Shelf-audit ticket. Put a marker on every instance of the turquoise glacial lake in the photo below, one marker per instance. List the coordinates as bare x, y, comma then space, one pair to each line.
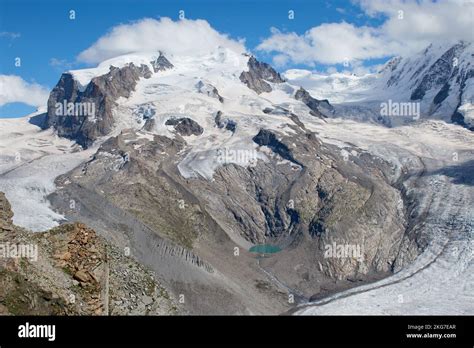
265, 249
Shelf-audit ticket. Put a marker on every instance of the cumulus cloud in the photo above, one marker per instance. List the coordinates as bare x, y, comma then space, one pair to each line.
180, 37
328, 43
408, 26
415, 24
13, 89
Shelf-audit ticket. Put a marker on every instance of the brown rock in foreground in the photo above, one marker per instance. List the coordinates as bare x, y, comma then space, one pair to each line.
70, 270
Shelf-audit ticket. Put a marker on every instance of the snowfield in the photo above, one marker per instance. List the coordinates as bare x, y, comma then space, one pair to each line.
179, 92
30, 161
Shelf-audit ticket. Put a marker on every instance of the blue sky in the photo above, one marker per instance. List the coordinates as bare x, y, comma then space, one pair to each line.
40, 31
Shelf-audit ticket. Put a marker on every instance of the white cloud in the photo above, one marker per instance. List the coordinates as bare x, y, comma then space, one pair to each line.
56, 62
408, 26
60, 64
329, 43
181, 37
13, 89
415, 24
9, 35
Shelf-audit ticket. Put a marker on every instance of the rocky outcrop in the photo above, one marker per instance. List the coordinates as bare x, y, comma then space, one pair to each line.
209, 90
318, 107
269, 138
259, 75
161, 64
6, 214
185, 126
70, 270
150, 125
224, 123
91, 109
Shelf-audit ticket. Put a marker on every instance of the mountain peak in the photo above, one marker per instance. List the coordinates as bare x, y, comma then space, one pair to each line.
161, 63
258, 76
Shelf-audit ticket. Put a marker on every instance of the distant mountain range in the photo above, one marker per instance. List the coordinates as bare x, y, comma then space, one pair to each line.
440, 78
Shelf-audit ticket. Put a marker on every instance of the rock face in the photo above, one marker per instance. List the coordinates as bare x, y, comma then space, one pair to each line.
99, 97
438, 74
185, 126
450, 76
318, 107
269, 138
259, 75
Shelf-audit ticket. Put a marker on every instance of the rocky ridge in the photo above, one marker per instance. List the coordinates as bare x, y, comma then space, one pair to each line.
259, 75
102, 92
75, 272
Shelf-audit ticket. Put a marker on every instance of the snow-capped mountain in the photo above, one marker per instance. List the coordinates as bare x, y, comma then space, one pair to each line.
182, 94
438, 82
440, 78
